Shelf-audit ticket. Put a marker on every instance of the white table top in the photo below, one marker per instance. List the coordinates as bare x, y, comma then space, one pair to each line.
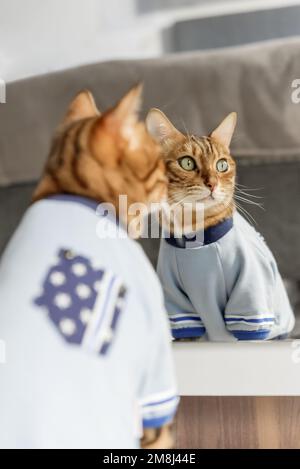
238, 369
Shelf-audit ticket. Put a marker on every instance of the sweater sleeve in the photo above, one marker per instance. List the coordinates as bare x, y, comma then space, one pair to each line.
185, 320
249, 312
158, 390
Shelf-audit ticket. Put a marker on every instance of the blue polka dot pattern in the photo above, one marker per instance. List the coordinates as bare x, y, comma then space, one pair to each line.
83, 303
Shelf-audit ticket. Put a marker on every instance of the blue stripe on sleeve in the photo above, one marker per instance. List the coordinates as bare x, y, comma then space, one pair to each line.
156, 422
164, 401
188, 332
254, 321
251, 335
185, 318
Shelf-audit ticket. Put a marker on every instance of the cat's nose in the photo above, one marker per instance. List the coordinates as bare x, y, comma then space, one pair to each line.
211, 185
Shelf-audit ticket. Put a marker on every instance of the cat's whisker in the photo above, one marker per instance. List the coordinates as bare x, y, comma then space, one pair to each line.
245, 212
251, 202
247, 215
248, 195
249, 188
175, 203
248, 201
193, 191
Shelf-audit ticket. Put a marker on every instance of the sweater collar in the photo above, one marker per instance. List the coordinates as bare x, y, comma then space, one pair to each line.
202, 238
76, 199
91, 204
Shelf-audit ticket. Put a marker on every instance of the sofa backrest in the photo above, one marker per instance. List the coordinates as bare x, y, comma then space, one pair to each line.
195, 90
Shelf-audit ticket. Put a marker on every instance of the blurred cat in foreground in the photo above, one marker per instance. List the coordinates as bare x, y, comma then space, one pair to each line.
83, 318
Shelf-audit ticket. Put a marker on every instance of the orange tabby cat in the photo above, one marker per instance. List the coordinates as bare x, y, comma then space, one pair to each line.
225, 286
192, 166
101, 157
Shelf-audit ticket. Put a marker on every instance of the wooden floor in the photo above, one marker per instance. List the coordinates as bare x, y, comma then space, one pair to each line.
238, 422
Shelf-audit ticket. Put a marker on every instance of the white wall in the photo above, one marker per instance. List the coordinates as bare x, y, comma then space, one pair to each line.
38, 36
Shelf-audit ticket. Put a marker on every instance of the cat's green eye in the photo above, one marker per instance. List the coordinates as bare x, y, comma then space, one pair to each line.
187, 163
222, 165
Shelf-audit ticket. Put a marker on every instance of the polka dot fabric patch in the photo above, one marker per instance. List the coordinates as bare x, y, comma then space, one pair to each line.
83, 303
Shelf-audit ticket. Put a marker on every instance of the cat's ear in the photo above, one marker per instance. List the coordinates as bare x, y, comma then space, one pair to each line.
82, 107
159, 126
225, 131
122, 119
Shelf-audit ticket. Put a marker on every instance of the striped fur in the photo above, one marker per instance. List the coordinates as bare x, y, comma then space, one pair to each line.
104, 156
205, 184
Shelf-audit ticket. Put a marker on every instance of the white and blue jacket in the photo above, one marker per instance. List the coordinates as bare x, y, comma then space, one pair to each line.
82, 319
226, 287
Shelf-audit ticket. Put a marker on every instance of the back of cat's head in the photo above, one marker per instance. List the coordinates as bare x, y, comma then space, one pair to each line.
102, 156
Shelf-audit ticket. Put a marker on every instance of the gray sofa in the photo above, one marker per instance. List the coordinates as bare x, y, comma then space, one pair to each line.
238, 27
196, 91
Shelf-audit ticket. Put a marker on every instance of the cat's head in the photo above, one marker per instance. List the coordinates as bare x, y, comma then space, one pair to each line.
102, 156
199, 169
